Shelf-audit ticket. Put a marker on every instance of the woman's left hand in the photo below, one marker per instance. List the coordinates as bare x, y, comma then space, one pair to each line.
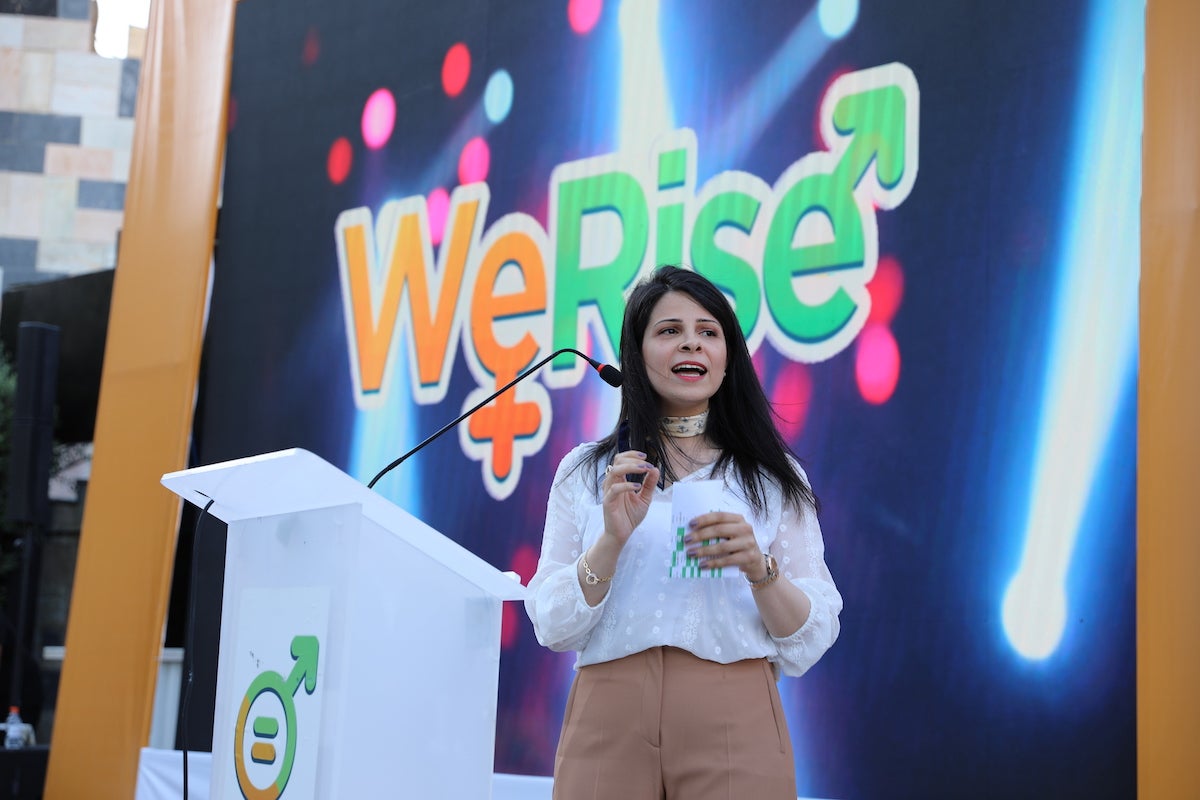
724, 539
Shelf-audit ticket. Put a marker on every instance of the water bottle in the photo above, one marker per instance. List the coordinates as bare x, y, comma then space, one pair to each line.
14, 730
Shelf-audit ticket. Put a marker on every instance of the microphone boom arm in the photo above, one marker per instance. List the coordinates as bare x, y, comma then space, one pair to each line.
601, 368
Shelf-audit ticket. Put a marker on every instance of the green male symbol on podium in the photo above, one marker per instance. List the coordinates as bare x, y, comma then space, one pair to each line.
265, 728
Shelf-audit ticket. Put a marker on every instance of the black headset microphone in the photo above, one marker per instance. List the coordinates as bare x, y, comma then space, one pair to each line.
611, 375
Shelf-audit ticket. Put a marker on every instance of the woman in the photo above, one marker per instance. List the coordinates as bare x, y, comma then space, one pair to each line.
675, 694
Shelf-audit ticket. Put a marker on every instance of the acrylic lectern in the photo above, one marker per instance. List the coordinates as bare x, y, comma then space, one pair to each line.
360, 648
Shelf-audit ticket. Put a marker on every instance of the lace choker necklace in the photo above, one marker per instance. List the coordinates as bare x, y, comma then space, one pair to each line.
685, 427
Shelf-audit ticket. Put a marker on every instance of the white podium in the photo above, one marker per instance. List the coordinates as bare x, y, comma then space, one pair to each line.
360, 648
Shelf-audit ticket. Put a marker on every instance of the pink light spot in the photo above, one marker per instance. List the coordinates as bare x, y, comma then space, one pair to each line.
508, 625
524, 563
341, 157
438, 206
378, 118
312, 48
474, 162
456, 68
760, 363
589, 416
791, 396
584, 14
877, 363
887, 289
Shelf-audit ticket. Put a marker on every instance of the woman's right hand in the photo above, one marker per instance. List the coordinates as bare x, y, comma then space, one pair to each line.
626, 502
625, 505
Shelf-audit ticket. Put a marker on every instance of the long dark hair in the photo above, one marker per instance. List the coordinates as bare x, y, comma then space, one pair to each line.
740, 419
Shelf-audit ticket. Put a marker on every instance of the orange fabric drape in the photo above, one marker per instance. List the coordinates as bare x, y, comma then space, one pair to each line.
1168, 569
147, 395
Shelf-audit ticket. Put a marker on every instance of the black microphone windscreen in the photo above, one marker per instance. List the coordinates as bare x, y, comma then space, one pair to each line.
611, 375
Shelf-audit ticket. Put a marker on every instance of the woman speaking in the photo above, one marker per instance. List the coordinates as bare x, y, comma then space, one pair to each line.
675, 689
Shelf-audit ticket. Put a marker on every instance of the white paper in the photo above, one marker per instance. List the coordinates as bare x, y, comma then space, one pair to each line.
688, 501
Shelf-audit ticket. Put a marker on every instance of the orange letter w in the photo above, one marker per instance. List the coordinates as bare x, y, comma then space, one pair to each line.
371, 296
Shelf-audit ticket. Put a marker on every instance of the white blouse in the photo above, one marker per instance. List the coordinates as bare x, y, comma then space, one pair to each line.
713, 618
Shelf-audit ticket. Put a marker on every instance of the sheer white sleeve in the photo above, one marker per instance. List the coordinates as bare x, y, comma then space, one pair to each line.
561, 617
800, 551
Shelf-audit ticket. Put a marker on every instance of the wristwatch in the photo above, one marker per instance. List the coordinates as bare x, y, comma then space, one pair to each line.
772, 573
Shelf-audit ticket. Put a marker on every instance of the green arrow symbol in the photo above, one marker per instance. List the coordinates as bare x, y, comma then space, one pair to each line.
304, 650
875, 119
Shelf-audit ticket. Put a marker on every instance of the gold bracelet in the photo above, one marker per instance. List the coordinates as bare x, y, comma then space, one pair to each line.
771, 576
589, 577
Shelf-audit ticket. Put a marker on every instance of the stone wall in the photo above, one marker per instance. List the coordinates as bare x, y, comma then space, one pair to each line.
66, 131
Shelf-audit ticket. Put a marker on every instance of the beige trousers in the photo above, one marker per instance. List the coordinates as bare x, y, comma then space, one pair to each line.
665, 725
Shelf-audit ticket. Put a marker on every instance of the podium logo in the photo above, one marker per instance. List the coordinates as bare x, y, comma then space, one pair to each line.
271, 699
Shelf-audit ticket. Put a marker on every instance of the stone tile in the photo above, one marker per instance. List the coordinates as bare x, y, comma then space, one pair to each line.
24, 217
59, 201
80, 162
93, 225
42, 129
107, 195
66, 256
85, 101
37, 80
10, 78
16, 254
112, 133
121, 163
5, 181
57, 34
12, 30
130, 71
22, 157
87, 69
85, 84
74, 9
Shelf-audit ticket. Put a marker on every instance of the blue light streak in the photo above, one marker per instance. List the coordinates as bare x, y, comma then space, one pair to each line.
645, 108
769, 89
1094, 326
382, 435
837, 17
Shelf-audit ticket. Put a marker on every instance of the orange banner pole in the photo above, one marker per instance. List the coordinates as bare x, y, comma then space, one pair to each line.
147, 396
1168, 586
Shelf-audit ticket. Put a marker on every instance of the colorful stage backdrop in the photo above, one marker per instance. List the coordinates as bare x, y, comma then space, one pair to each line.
926, 216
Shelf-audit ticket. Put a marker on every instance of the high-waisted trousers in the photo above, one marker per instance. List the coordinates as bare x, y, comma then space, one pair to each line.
665, 725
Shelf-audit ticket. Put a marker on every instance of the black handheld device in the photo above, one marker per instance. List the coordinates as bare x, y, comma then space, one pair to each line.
623, 444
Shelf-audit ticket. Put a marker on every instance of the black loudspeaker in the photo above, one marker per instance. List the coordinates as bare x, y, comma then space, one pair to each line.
33, 424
